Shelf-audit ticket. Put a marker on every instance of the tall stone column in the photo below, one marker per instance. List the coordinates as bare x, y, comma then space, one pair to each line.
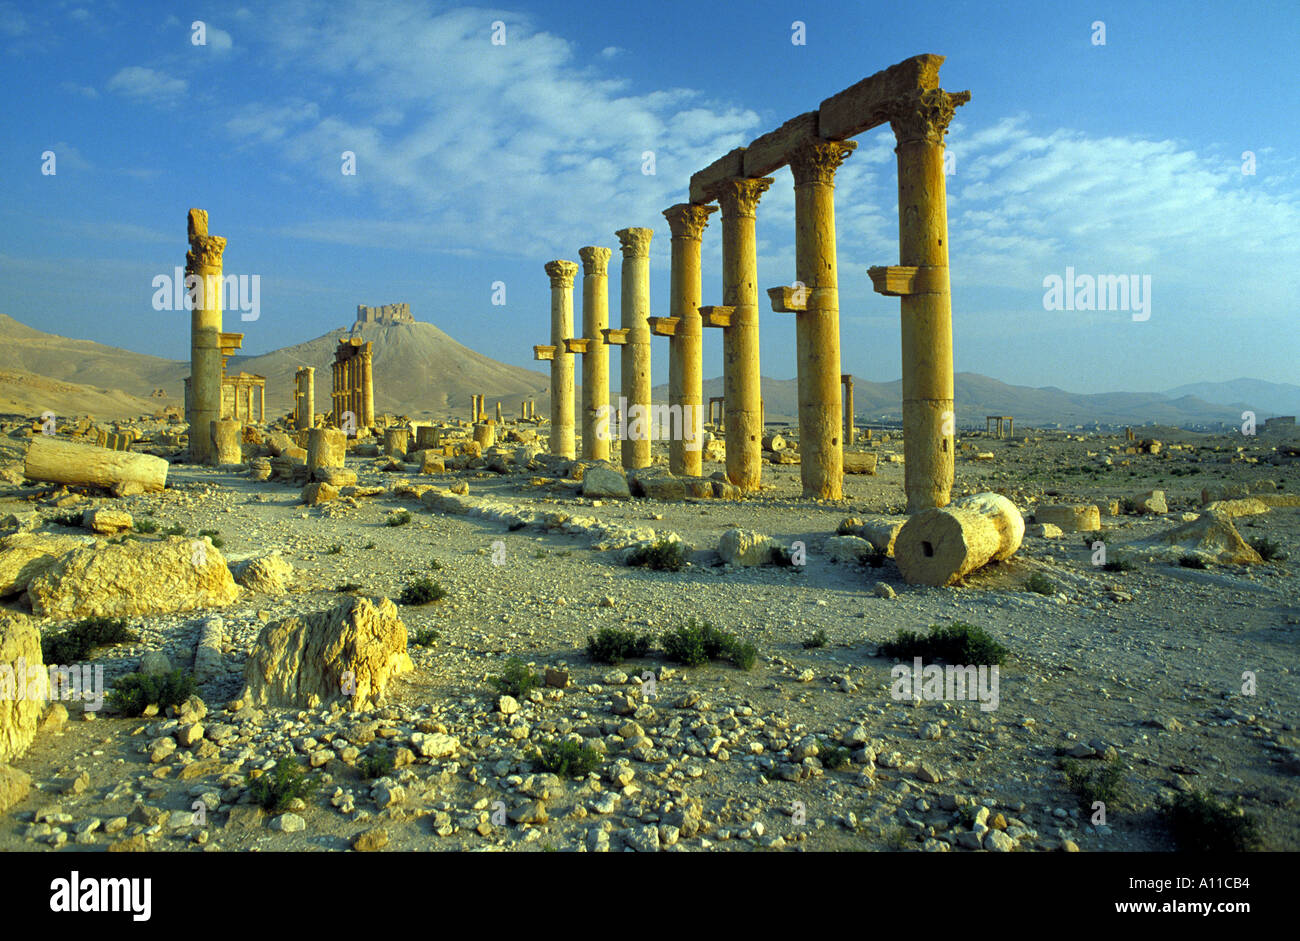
595, 358
850, 434
204, 262
366, 369
685, 380
741, 371
817, 327
561, 274
920, 120
635, 356
306, 396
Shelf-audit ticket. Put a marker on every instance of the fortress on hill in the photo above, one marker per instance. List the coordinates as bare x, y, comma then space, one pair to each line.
388, 314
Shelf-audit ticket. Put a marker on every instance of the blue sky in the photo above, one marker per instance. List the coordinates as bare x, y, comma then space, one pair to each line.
477, 163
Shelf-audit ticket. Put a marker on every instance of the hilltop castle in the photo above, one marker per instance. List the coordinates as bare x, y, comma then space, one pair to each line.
386, 315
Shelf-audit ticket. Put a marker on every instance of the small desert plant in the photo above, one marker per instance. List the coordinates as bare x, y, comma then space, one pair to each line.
664, 555
435, 565
818, 639
175, 529
146, 526
81, 639
516, 679
1200, 823
568, 759
214, 537
376, 764
1095, 781
1192, 562
1040, 584
1268, 550
614, 645
422, 591
696, 643
955, 643
347, 587
71, 520
133, 693
400, 518
1120, 564
426, 637
369, 545
335, 549
831, 755
276, 789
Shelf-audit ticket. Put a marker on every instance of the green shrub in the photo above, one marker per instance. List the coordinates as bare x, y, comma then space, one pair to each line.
77, 642
133, 693
422, 591
435, 565
818, 639
335, 549
145, 526
696, 643
377, 764
516, 679
614, 645
175, 529
214, 537
664, 555
1200, 823
1192, 562
1268, 550
831, 755
400, 518
71, 520
1093, 781
1120, 564
347, 587
426, 637
1040, 584
955, 643
275, 789
568, 759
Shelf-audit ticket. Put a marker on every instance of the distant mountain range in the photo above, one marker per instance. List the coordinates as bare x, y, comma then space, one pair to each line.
421, 372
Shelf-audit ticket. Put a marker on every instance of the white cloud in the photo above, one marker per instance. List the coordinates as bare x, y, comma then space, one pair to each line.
86, 91
138, 82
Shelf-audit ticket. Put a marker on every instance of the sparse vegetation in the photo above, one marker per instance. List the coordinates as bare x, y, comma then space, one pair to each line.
1094, 781
79, 641
1120, 564
516, 679
133, 693
347, 587
1040, 584
145, 526
376, 764
1201, 823
954, 643
400, 518
614, 645
1268, 550
71, 520
175, 529
831, 755
274, 790
818, 639
435, 565
568, 759
664, 555
696, 643
335, 549
214, 537
426, 637
422, 591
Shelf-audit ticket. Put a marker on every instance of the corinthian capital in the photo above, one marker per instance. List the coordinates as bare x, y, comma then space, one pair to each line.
205, 253
923, 115
815, 161
561, 273
595, 260
687, 221
635, 242
739, 195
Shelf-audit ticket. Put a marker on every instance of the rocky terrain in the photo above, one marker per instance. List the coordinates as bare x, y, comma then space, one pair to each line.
1141, 668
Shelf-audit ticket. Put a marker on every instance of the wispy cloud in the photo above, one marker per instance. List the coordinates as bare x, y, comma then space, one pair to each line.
136, 81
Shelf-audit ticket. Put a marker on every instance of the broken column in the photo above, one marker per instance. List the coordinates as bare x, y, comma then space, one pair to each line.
203, 262
938, 546
684, 327
742, 414
635, 340
367, 386
561, 274
850, 434
920, 120
595, 355
305, 398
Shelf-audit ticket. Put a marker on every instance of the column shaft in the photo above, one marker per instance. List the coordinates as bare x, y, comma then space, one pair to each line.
561, 274
204, 261
685, 380
635, 356
595, 361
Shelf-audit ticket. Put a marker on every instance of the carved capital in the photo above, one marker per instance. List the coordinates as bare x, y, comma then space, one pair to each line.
561, 273
595, 260
687, 221
205, 254
635, 242
923, 115
815, 161
739, 196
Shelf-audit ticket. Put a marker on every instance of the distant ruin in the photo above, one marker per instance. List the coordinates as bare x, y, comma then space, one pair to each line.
386, 316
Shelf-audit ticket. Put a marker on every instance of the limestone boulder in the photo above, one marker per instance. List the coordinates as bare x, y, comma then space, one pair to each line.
881, 533
347, 653
848, 549
1211, 537
860, 462
134, 578
15, 785
1152, 502
259, 468
20, 660
23, 556
605, 483
1244, 506
278, 442
427, 461
109, 522
1071, 518
326, 447
745, 547
269, 574
316, 492
338, 477
656, 483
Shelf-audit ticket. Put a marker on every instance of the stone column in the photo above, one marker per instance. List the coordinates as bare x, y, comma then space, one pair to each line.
817, 327
561, 274
686, 386
367, 415
742, 377
261, 404
306, 397
635, 357
595, 358
920, 120
849, 434
204, 262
